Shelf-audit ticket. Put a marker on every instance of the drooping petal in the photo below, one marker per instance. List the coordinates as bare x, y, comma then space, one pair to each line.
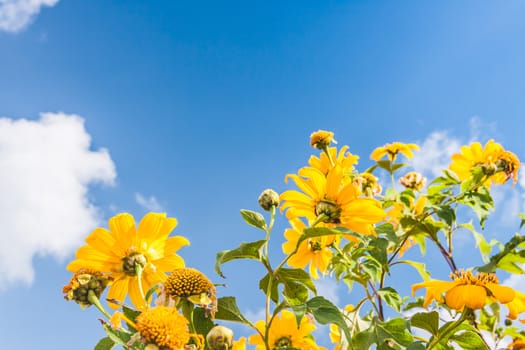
435, 290
469, 295
503, 294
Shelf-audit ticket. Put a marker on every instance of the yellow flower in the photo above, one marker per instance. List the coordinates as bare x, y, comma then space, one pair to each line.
517, 344
163, 326
392, 149
192, 284
342, 158
284, 333
335, 336
493, 160
466, 290
329, 200
121, 249
314, 251
85, 282
239, 344
516, 306
321, 139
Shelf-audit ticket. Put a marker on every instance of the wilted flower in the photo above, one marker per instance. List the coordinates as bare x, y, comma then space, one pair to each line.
413, 180
84, 285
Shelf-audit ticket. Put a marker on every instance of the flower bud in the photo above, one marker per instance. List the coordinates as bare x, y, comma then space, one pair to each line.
220, 338
268, 199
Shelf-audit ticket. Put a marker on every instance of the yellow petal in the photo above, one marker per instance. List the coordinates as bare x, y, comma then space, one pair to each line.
471, 296
122, 226
503, 294
118, 291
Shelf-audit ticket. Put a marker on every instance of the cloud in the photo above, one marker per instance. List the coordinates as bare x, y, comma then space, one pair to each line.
47, 166
16, 15
150, 203
434, 153
328, 288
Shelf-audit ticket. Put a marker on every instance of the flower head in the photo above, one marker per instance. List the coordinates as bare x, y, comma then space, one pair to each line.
516, 306
164, 327
329, 200
219, 337
321, 139
391, 150
83, 283
343, 158
466, 290
124, 249
413, 180
367, 184
239, 344
492, 160
314, 251
517, 344
268, 199
284, 333
192, 284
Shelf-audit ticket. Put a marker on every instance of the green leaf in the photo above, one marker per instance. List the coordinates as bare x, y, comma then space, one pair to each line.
297, 275
254, 219
264, 286
381, 333
480, 201
447, 214
416, 346
228, 310
117, 336
201, 321
250, 250
468, 341
377, 248
372, 268
299, 311
325, 312
391, 297
313, 232
385, 164
428, 321
105, 344
420, 267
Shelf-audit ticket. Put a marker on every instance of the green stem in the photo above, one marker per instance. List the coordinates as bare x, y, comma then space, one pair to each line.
93, 299
139, 269
325, 150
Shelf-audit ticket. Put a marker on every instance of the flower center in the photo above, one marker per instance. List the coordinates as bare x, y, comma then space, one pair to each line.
481, 279
330, 210
314, 245
130, 263
283, 343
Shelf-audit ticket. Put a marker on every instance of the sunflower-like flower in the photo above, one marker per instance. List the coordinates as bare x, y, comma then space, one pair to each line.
466, 290
321, 139
84, 285
124, 249
327, 199
497, 164
191, 284
343, 158
314, 251
391, 150
284, 333
164, 327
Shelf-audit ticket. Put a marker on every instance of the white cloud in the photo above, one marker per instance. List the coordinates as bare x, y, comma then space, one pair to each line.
328, 287
47, 166
434, 153
15, 15
151, 203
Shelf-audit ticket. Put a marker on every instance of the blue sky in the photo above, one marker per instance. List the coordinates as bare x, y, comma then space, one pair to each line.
193, 108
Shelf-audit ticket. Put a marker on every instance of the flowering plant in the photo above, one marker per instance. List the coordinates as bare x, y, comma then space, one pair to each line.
342, 224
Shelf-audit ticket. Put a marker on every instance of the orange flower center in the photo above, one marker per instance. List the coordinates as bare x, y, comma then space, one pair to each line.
481, 279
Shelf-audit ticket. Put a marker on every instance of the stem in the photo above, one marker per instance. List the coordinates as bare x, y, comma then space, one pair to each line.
325, 150
448, 257
139, 269
93, 299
